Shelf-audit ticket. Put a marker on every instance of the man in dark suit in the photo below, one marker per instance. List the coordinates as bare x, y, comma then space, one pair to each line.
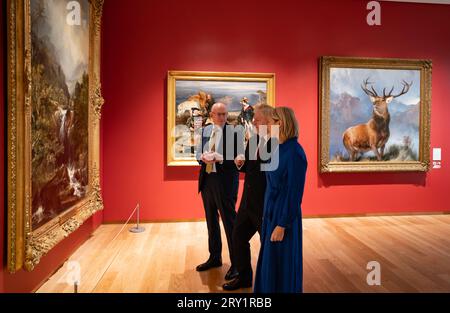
218, 184
249, 217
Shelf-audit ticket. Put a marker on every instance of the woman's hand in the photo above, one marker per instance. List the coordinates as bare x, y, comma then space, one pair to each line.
277, 234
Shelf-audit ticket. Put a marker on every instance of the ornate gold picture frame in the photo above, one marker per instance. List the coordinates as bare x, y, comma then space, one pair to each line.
190, 96
54, 108
374, 114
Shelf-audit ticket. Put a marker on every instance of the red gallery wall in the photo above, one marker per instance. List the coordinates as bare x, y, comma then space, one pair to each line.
144, 39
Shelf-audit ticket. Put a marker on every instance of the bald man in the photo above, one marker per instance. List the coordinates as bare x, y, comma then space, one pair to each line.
218, 183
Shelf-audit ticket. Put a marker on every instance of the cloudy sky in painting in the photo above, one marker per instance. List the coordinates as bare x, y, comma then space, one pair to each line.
230, 92
71, 42
349, 80
222, 86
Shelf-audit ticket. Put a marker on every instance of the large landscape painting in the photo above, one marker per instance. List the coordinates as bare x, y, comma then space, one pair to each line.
60, 97
54, 111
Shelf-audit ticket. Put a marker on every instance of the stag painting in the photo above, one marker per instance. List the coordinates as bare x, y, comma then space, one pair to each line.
374, 115
373, 135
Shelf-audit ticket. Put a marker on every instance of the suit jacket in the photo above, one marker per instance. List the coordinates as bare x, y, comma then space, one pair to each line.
226, 170
252, 200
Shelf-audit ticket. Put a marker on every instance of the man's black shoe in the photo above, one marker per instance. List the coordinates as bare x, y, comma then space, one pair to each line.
232, 273
208, 265
236, 283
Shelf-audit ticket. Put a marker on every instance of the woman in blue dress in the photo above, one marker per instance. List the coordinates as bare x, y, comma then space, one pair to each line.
280, 265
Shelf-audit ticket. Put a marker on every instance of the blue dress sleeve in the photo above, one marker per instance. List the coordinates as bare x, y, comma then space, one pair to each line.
296, 172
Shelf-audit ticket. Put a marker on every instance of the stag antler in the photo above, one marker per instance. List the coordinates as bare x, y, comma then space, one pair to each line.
405, 89
384, 92
371, 93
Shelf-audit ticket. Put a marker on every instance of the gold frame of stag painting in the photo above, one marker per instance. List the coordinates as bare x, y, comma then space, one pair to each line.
54, 105
190, 96
374, 115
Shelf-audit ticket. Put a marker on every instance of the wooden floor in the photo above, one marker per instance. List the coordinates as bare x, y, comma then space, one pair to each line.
413, 251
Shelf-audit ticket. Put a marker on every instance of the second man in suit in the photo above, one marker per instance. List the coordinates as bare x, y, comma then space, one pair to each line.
249, 217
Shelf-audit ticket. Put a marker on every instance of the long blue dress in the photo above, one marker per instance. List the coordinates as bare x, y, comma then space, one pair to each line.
280, 265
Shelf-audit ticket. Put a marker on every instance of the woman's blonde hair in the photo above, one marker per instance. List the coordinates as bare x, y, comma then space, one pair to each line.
288, 122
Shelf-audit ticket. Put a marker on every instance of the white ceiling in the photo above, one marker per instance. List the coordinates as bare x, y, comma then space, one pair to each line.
423, 1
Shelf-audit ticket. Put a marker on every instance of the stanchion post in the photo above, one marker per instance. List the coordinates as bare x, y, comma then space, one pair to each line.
137, 228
